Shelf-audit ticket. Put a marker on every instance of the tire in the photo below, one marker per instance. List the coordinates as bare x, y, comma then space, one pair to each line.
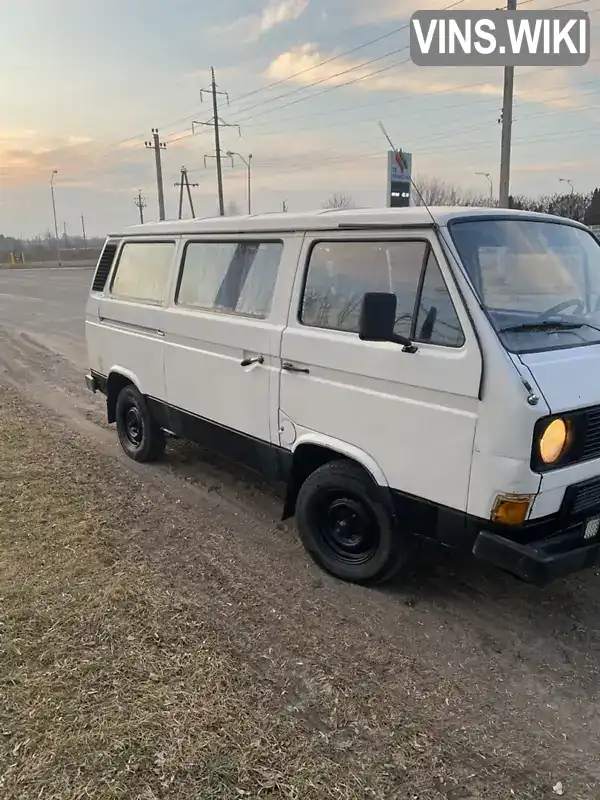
140, 437
347, 526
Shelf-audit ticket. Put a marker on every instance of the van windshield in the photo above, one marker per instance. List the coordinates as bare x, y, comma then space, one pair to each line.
539, 281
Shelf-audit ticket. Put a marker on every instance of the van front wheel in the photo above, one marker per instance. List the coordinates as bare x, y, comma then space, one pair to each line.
346, 525
139, 435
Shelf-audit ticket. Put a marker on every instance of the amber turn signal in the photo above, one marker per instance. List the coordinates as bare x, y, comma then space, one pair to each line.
511, 509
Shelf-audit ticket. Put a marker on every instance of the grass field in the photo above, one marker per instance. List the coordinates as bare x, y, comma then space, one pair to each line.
158, 648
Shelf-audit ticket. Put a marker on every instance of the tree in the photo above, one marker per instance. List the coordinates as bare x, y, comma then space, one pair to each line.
340, 201
232, 210
592, 214
435, 192
572, 205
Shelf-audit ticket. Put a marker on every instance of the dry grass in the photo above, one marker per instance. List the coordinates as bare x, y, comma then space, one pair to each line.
118, 682
110, 686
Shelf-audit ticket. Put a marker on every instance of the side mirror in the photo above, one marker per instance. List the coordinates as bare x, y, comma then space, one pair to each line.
378, 318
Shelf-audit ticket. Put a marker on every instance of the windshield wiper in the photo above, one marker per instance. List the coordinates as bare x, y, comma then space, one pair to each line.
545, 325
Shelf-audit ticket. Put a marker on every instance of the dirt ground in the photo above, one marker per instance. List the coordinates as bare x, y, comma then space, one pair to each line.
163, 636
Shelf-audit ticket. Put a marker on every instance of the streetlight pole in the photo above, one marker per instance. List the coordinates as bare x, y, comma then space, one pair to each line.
248, 163
566, 180
55, 172
488, 177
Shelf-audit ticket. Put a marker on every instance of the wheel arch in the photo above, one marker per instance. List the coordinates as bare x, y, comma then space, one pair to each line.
311, 451
118, 378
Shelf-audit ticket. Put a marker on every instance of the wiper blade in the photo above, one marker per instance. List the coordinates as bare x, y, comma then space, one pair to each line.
544, 326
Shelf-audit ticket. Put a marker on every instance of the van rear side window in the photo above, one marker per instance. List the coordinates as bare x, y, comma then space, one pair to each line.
143, 272
232, 277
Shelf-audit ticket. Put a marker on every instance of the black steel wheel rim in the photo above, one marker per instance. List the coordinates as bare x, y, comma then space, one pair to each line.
347, 525
134, 425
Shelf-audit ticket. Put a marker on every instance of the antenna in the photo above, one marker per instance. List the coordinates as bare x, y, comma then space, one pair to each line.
412, 183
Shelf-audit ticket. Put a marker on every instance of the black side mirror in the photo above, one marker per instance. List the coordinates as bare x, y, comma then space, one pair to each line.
378, 318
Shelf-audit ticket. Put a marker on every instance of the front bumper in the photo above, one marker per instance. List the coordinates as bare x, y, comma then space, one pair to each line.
539, 561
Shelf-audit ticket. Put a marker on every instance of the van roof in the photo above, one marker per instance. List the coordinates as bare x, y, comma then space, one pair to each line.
325, 219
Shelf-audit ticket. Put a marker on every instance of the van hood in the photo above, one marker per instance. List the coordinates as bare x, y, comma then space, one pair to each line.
568, 379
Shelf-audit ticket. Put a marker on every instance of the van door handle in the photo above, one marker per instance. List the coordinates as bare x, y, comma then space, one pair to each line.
160, 333
289, 367
256, 360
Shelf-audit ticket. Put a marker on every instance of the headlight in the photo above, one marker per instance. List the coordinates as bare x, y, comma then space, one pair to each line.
553, 441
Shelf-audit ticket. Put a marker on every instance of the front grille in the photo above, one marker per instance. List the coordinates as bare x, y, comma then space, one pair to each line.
591, 447
103, 268
585, 497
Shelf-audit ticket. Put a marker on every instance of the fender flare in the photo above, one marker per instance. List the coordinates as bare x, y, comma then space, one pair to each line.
125, 373
344, 449
111, 401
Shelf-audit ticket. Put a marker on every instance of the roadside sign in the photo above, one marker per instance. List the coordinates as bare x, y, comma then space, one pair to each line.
398, 179
17, 258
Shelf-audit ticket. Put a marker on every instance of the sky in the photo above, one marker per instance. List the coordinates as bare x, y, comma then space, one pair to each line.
83, 82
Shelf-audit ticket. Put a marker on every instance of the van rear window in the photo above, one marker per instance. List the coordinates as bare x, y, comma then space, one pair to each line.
143, 272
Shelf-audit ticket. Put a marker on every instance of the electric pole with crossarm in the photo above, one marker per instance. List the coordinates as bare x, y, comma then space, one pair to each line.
216, 122
158, 146
141, 204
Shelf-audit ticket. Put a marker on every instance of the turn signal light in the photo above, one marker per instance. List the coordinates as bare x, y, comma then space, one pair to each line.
511, 509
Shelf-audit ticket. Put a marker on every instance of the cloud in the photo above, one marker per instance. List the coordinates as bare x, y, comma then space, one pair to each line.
251, 27
30, 162
540, 87
277, 13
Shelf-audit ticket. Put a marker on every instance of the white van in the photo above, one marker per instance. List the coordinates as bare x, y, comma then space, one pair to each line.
401, 374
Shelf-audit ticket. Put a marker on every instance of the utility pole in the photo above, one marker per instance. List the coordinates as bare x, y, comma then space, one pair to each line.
216, 122
141, 204
183, 181
157, 146
65, 235
55, 172
83, 229
506, 120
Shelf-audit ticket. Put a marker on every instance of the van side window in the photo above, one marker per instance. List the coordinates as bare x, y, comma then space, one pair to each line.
437, 321
233, 277
143, 272
340, 273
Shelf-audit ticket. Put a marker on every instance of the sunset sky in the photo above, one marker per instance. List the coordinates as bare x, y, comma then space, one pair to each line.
83, 82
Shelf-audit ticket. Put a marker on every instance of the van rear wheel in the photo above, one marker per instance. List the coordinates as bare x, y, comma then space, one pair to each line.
139, 435
346, 525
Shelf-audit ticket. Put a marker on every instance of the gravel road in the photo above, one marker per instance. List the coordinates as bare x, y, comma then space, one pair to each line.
462, 681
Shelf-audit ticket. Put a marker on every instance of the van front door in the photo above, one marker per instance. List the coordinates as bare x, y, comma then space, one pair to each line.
410, 417
222, 348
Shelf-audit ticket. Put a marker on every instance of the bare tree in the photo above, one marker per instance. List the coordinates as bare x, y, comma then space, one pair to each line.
573, 205
232, 209
340, 201
436, 192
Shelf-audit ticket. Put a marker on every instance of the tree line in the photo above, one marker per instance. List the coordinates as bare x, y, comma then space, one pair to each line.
580, 206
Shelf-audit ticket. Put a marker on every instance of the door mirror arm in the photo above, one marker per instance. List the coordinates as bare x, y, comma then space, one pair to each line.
407, 345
